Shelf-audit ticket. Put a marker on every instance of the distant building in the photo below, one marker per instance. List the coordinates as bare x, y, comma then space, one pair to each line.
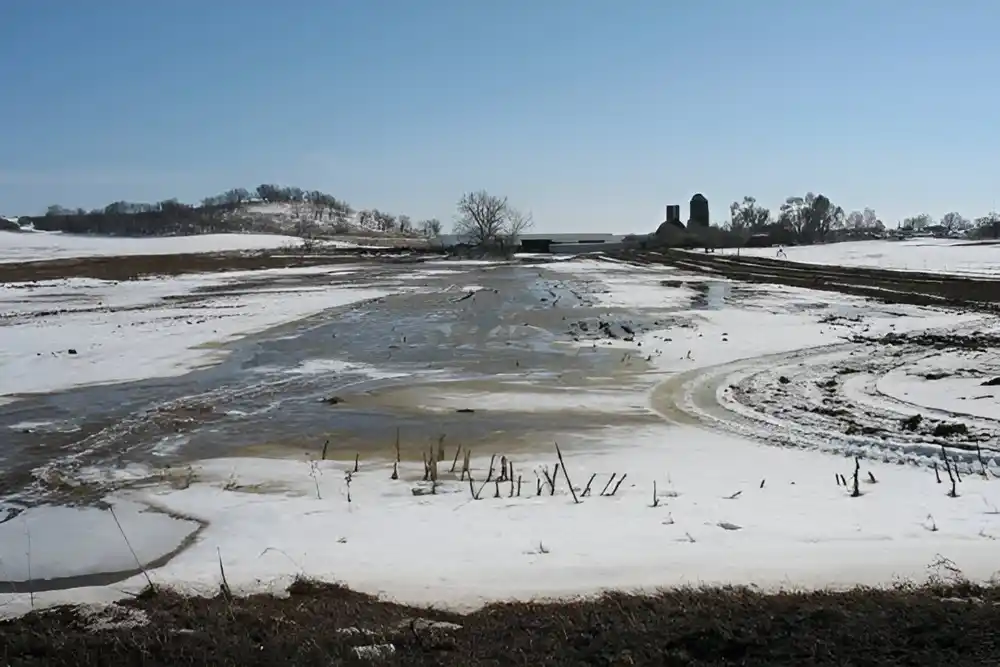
548, 243
674, 214
672, 221
698, 211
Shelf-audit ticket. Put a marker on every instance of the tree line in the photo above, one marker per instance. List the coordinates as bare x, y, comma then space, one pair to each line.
813, 218
309, 212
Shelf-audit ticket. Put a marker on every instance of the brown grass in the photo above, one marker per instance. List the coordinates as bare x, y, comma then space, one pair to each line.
321, 624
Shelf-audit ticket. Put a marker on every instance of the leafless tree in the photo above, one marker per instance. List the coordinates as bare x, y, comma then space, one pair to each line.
954, 222
918, 222
517, 222
430, 228
489, 220
811, 218
748, 216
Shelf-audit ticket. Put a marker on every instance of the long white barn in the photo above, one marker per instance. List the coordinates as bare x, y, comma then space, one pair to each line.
555, 243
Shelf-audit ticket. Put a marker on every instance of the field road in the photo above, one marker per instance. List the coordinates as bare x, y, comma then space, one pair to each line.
908, 287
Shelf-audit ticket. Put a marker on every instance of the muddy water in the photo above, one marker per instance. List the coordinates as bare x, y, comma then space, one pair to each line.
273, 393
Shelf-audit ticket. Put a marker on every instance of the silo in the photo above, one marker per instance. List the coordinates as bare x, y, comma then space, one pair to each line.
699, 211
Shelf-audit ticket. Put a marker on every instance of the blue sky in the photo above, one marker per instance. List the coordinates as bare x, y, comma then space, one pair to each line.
593, 114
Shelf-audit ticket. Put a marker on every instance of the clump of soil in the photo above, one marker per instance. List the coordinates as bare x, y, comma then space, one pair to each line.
946, 430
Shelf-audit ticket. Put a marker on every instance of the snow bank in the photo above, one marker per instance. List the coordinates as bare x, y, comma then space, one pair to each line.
32, 246
116, 332
928, 255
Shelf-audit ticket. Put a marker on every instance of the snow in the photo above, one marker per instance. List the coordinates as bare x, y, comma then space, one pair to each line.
732, 504
925, 255
128, 331
32, 545
951, 382
800, 529
36, 246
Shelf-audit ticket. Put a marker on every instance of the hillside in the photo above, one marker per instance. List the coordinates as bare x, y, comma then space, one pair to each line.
300, 219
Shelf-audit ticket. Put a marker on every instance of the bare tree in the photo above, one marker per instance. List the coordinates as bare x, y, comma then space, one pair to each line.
918, 222
811, 218
481, 218
489, 220
954, 222
384, 222
748, 216
430, 228
989, 225
870, 221
517, 222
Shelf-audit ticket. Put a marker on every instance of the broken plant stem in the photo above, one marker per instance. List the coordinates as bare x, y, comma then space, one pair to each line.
953, 492
566, 474
121, 530
606, 486
227, 592
856, 491
620, 480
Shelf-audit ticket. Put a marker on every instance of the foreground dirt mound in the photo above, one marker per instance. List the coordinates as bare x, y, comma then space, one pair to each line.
330, 625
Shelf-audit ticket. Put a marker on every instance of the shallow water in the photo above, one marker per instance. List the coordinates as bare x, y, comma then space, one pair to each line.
268, 393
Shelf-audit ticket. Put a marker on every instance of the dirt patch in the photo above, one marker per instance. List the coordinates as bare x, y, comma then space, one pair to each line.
131, 267
908, 287
937, 341
325, 624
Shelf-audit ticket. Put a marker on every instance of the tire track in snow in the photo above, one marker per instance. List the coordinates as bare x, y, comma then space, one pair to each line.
774, 399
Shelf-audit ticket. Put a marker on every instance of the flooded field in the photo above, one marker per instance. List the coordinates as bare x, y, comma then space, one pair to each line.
351, 377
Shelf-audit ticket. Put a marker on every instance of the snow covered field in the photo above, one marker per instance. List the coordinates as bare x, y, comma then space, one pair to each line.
59, 334
733, 487
35, 246
929, 255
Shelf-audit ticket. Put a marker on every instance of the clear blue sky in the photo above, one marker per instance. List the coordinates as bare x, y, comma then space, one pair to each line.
593, 114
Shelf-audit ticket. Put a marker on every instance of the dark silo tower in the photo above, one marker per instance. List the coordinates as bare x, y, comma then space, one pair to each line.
699, 211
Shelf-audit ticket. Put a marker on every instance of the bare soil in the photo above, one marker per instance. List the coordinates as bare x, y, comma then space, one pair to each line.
908, 287
325, 625
131, 267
